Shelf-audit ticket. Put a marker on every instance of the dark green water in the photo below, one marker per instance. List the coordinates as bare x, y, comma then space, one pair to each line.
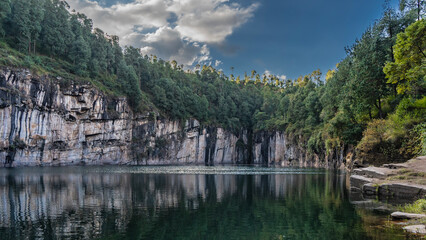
181, 203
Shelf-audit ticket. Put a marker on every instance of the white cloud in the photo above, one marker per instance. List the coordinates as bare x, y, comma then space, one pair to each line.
210, 20
281, 77
120, 19
267, 73
178, 29
168, 42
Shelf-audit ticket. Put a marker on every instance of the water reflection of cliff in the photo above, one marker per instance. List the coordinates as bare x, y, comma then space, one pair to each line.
87, 204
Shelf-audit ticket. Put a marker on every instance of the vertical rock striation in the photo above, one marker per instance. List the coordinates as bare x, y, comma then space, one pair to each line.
277, 148
45, 124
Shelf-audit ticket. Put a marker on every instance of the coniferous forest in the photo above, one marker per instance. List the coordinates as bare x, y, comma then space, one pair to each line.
374, 100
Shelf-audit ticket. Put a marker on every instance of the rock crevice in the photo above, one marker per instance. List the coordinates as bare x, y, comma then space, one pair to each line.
44, 124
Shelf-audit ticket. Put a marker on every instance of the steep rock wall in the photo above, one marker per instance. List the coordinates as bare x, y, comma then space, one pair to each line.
277, 148
44, 124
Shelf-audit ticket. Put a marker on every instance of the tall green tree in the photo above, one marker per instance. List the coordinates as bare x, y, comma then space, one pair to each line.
56, 34
116, 54
415, 6
99, 46
21, 25
368, 84
80, 55
130, 83
4, 12
36, 18
408, 71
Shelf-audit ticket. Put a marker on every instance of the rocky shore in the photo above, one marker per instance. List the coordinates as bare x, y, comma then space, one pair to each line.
397, 184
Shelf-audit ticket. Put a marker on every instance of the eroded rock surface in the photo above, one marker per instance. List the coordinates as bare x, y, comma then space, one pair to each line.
403, 215
43, 124
392, 181
420, 229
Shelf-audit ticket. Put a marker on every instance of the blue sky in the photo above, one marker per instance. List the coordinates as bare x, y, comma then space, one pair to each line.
284, 37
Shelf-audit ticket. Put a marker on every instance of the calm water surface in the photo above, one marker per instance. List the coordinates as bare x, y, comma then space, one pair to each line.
222, 202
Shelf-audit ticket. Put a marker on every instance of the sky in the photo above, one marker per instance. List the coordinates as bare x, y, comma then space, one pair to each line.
287, 38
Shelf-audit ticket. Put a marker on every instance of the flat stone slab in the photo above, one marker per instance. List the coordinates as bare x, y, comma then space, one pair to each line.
421, 229
402, 190
357, 181
370, 189
403, 215
418, 163
372, 172
383, 209
363, 202
395, 165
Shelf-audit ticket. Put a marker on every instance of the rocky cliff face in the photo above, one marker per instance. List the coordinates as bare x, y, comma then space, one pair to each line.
277, 148
44, 124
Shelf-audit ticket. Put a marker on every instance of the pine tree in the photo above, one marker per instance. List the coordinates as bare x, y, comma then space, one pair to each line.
4, 12
99, 45
130, 83
36, 17
80, 55
20, 26
56, 34
408, 72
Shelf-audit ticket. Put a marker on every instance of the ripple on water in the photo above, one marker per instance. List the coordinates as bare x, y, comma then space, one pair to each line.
209, 170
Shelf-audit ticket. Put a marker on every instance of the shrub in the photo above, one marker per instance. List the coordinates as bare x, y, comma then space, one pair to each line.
418, 206
377, 144
415, 142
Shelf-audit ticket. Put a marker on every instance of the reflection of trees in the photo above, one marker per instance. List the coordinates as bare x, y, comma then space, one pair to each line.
143, 206
380, 227
313, 207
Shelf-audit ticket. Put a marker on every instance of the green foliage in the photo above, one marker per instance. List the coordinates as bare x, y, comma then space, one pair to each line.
130, 84
316, 143
415, 141
378, 144
80, 55
401, 136
56, 35
418, 206
368, 84
408, 72
4, 12
413, 7
21, 24
410, 111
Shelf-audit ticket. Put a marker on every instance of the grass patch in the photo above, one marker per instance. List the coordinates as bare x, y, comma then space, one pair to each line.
57, 68
410, 175
404, 171
417, 174
399, 177
418, 206
62, 72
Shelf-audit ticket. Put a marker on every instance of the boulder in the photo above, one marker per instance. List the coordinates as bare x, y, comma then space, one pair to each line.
359, 181
370, 189
394, 165
402, 190
371, 172
403, 215
421, 229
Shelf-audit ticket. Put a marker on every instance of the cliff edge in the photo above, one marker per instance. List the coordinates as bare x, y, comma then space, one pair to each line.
45, 124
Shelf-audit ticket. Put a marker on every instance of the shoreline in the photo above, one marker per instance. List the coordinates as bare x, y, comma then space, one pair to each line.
402, 185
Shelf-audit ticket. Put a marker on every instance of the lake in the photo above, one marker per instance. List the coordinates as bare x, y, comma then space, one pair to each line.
182, 202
